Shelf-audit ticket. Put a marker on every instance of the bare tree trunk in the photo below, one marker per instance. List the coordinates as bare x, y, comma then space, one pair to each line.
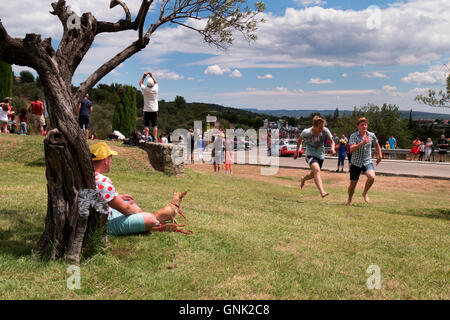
69, 171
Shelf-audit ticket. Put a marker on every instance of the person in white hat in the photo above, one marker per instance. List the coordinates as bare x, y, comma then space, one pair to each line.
150, 92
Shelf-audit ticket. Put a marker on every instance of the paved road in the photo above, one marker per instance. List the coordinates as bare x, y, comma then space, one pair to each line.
387, 167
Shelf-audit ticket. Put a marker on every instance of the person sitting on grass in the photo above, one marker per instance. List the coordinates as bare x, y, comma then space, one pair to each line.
125, 216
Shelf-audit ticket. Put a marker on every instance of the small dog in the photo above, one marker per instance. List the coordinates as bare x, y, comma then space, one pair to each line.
169, 212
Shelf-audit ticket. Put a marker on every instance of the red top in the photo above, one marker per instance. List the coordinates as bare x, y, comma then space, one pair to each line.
37, 107
23, 118
9, 110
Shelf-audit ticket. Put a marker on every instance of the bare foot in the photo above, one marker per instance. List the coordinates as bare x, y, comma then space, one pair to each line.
366, 198
302, 183
324, 194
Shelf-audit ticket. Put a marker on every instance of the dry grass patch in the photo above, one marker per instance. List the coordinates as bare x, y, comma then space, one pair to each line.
291, 178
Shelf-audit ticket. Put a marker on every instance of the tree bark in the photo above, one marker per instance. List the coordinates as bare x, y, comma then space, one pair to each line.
69, 172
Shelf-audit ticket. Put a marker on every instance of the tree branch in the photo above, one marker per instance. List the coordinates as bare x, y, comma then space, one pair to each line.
108, 67
123, 25
30, 51
123, 5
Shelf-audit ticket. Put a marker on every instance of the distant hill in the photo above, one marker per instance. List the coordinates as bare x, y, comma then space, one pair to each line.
304, 113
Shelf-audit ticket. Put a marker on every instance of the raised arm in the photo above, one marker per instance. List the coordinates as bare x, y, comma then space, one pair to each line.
142, 79
154, 80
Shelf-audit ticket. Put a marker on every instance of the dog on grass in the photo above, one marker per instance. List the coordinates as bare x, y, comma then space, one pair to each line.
168, 213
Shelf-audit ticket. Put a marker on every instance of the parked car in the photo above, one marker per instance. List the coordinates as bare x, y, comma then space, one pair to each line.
286, 147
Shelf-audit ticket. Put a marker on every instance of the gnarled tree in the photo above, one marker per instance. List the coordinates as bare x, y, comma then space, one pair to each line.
69, 171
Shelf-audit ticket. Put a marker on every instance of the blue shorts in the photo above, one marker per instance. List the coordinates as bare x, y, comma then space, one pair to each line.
119, 224
355, 171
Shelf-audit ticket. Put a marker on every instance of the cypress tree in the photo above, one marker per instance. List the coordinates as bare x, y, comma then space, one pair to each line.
6, 80
124, 119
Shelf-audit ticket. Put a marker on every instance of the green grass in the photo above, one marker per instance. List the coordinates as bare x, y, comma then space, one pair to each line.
252, 239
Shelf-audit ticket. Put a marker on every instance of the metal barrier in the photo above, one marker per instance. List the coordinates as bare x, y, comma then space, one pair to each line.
397, 154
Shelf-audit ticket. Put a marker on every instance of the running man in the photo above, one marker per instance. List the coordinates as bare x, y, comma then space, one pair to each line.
315, 151
361, 147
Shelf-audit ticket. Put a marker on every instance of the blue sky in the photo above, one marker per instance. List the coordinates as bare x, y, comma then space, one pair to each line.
310, 54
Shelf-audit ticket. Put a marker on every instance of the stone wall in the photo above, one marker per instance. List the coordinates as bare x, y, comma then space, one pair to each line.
160, 157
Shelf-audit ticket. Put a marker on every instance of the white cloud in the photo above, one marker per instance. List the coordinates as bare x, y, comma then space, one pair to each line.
216, 70
25, 16
417, 91
236, 74
168, 75
344, 75
267, 76
18, 69
319, 81
411, 32
191, 78
375, 74
434, 75
307, 3
389, 88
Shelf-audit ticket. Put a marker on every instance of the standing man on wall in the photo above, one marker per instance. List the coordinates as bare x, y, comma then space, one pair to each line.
150, 93
85, 109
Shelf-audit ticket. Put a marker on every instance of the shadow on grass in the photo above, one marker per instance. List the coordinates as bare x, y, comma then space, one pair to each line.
21, 237
288, 178
36, 163
432, 213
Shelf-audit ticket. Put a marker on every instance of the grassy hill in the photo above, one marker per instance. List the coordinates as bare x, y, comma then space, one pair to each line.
255, 237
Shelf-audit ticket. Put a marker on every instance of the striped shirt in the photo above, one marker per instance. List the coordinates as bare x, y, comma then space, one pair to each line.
362, 156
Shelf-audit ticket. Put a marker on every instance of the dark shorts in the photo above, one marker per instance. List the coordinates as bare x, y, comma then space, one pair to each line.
310, 160
356, 171
442, 151
151, 117
84, 122
349, 156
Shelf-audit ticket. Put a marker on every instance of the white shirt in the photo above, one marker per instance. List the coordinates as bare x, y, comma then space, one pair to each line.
3, 115
150, 98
